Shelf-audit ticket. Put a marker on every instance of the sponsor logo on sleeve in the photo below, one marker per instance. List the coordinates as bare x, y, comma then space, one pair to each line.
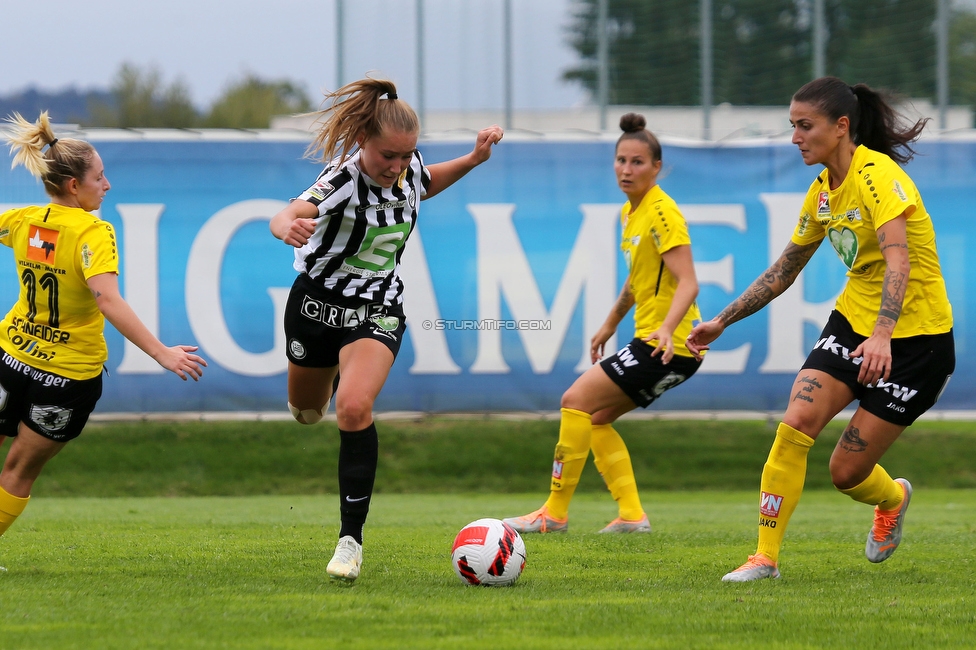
804, 223
321, 189
897, 189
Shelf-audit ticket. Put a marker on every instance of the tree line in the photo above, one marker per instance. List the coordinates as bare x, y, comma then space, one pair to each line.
763, 49
140, 98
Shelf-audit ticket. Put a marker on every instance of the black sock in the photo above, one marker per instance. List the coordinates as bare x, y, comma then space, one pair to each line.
357, 470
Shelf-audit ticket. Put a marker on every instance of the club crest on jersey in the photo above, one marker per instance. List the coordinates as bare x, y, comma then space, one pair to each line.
386, 323
844, 242
297, 349
769, 504
823, 205
41, 244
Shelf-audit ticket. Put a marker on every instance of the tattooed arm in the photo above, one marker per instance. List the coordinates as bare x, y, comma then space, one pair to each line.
620, 308
774, 281
876, 349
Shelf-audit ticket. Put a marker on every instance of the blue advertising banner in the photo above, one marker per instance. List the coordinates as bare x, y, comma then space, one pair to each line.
508, 273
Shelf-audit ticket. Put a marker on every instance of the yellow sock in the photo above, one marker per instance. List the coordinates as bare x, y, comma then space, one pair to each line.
571, 452
781, 486
877, 489
613, 460
10, 509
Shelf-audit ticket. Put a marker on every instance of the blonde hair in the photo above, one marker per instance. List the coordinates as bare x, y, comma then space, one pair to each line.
359, 112
64, 159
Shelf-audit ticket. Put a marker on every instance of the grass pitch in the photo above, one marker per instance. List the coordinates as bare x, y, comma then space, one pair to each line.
249, 572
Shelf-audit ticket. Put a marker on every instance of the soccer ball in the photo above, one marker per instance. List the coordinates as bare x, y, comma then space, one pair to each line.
488, 552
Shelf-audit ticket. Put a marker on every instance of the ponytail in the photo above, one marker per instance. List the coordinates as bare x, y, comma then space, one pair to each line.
880, 128
357, 113
64, 159
874, 123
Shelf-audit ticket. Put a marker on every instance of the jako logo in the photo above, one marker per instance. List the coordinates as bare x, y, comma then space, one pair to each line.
769, 504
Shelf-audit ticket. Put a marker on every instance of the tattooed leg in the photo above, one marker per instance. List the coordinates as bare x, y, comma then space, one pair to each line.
807, 385
852, 441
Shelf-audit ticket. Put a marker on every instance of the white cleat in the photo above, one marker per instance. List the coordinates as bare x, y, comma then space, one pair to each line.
620, 525
346, 561
756, 568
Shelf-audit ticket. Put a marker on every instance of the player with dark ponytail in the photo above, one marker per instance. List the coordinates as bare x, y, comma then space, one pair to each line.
663, 285
888, 343
345, 311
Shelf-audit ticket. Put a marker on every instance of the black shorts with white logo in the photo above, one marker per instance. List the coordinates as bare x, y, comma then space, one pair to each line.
644, 378
319, 323
51, 405
921, 367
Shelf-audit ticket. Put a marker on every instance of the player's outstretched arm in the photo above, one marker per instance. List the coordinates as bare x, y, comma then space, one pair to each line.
774, 281
178, 359
445, 174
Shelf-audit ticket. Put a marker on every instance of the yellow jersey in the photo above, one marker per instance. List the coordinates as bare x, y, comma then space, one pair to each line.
653, 228
875, 191
55, 324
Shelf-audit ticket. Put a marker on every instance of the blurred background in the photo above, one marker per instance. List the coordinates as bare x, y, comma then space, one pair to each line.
195, 107
708, 67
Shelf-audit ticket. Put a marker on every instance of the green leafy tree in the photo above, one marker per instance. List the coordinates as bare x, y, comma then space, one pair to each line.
251, 103
142, 100
962, 59
653, 50
763, 49
885, 44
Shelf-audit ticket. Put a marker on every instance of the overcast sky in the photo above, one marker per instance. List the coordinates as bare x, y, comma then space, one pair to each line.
209, 43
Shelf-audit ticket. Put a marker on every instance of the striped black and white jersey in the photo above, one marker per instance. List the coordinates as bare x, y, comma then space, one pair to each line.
361, 230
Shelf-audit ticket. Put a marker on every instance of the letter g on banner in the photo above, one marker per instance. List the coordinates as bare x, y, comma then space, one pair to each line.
203, 306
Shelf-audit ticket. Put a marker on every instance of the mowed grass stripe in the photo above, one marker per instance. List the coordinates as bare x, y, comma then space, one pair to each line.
249, 573
444, 456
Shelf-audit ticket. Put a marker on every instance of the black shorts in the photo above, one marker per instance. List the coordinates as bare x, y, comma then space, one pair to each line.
318, 323
644, 378
921, 367
51, 405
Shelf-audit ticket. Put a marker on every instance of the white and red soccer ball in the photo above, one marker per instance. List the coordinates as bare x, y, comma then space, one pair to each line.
488, 552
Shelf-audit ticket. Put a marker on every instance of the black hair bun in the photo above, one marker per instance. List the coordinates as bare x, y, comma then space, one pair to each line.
632, 122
